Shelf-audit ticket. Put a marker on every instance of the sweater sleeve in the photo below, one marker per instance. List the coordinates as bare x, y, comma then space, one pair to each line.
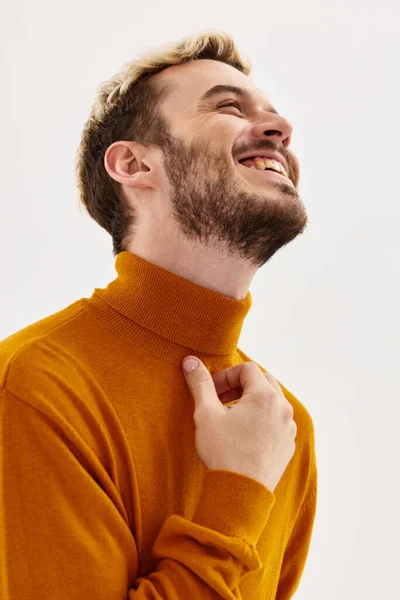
296, 552
65, 535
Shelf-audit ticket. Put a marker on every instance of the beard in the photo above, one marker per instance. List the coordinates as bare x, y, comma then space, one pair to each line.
216, 205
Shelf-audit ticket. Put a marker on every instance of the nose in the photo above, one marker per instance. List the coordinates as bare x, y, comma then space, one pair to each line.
276, 127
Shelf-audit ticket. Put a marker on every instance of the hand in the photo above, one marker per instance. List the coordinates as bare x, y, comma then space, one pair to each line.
256, 436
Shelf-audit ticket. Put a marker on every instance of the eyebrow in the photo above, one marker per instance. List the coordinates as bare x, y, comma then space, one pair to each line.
217, 90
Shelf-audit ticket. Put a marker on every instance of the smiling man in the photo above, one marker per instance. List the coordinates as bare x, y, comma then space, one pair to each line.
201, 213
185, 163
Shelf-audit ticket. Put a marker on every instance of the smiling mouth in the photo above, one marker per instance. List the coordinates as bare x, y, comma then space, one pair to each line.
267, 173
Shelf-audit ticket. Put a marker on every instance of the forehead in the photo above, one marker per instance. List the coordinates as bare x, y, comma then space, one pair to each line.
191, 81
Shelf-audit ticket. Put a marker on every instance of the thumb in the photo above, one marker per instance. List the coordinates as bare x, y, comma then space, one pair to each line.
200, 383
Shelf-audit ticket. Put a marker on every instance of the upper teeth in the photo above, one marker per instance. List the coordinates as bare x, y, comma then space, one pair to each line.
263, 163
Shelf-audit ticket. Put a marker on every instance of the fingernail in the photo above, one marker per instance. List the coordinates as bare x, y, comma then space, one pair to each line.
190, 365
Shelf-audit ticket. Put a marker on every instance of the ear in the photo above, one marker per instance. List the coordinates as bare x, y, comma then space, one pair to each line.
125, 162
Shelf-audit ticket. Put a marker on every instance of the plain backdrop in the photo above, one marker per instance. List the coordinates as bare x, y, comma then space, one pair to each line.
325, 314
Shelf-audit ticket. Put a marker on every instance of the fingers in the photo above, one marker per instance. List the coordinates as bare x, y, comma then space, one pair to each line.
229, 379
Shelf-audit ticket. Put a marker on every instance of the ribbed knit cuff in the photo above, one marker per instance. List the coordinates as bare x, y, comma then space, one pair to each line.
234, 505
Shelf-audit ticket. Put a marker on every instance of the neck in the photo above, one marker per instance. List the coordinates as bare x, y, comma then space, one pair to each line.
204, 266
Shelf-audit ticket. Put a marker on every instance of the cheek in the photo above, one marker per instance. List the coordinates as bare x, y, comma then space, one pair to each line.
296, 166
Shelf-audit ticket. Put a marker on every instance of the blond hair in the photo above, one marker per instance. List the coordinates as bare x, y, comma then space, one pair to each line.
127, 107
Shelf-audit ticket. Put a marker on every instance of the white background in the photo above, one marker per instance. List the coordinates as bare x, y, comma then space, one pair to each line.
325, 315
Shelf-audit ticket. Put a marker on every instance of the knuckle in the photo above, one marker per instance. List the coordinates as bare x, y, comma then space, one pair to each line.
289, 408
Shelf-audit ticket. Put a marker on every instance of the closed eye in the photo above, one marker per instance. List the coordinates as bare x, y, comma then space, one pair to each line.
230, 104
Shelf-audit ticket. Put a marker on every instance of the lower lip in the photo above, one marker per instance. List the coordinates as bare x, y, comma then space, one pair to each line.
268, 174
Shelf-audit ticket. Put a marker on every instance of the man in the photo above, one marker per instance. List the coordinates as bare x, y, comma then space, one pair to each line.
103, 493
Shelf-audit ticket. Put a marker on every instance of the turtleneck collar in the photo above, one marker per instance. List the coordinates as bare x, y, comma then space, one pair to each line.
168, 315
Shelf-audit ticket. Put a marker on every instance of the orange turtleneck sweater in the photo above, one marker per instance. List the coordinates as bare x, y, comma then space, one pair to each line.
102, 493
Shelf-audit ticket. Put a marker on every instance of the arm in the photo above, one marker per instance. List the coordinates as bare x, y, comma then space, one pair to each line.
64, 530
298, 546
